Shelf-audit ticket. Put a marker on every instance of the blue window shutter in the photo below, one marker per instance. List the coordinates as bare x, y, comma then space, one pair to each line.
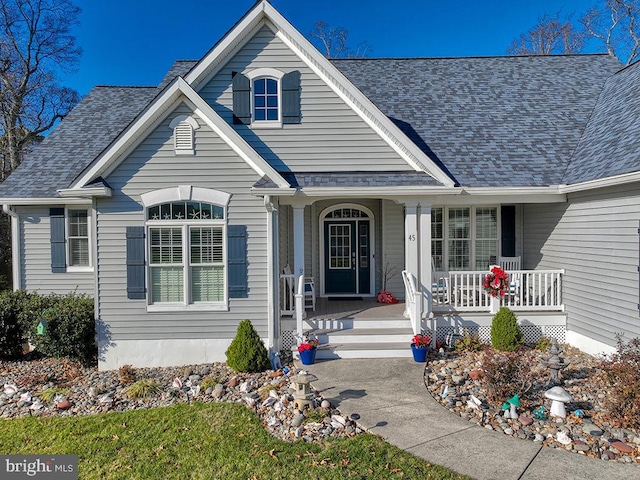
237, 261
291, 97
58, 245
241, 87
135, 263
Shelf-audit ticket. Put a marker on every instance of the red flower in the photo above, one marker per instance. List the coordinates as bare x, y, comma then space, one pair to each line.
308, 344
421, 340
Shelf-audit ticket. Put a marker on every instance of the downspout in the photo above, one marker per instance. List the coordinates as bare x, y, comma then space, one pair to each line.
15, 246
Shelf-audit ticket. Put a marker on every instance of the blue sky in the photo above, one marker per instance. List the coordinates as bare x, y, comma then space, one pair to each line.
134, 42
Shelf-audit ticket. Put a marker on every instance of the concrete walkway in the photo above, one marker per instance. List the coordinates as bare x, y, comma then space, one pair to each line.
393, 402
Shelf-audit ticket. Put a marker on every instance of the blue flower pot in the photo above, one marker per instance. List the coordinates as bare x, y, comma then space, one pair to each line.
419, 353
308, 357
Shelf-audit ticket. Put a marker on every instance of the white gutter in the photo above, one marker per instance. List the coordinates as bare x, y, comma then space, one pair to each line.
45, 201
512, 190
86, 192
355, 191
15, 246
601, 183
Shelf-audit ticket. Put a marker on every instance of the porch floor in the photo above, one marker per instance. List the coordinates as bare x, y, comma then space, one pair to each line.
367, 308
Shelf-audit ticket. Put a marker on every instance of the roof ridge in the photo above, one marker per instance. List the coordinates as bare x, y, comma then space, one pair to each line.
479, 57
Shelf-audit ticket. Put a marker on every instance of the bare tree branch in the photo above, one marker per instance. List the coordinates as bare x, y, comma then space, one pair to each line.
333, 42
35, 43
552, 34
616, 25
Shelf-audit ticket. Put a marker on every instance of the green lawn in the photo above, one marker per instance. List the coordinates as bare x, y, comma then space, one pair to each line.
208, 441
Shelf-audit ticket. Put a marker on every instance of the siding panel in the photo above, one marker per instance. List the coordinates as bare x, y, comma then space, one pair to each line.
594, 237
35, 258
331, 136
153, 165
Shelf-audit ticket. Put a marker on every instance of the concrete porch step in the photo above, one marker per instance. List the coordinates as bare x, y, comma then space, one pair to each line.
364, 335
364, 350
353, 323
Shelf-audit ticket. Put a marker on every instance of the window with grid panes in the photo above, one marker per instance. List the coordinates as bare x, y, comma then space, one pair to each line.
459, 238
186, 253
78, 238
486, 236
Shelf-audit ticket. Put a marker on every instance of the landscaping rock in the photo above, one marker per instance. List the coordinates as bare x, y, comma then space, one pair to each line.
586, 421
268, 394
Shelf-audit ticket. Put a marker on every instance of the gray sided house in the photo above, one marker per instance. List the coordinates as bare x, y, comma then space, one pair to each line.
266, 182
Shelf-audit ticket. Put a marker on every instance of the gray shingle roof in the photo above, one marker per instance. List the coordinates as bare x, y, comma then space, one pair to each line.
354, 179
492, 121
611, 142
79, 138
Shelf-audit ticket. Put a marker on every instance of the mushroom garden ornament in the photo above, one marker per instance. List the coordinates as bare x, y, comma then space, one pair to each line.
510, 405
558, 396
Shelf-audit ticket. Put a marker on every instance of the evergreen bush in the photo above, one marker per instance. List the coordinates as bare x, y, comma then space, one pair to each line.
247, 353
70, 330
12, 335
505, 332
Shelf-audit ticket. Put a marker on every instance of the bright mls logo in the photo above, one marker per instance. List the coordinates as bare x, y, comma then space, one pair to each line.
50, 467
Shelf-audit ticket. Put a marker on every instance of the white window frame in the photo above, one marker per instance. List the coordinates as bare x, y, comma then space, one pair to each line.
266, 73
193, 194
184, 122
472, 233
67, 233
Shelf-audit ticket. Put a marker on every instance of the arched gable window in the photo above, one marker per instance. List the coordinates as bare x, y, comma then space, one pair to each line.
186, 257
183, 128
266, 97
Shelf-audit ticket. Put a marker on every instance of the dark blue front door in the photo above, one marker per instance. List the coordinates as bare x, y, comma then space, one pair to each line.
347, 257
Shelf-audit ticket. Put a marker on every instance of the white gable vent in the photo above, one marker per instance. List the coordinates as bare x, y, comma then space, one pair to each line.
183, 134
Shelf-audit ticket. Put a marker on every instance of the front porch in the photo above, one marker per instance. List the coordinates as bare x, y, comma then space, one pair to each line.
334, 257
364, 328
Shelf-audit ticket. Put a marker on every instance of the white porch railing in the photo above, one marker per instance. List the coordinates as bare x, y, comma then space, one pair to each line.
411, 304
529, 290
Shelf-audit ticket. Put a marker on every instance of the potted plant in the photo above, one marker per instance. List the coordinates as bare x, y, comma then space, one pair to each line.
307, 350
420, 347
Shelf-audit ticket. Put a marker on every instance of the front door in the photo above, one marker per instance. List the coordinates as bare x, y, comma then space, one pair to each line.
347, 257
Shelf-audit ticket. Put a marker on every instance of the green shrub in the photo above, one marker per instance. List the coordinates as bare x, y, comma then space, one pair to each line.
505, 332
247, 353
543, 344
70, 330
469, 342
50, 394
142, 389
208, 382
621, 372
12, 334
505, 374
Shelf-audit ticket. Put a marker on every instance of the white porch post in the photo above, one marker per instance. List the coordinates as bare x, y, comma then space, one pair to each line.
273, 313
298, 259
412, 257
425, 259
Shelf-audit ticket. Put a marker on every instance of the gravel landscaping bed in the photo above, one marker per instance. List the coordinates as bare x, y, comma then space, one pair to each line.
77, 390
454, 380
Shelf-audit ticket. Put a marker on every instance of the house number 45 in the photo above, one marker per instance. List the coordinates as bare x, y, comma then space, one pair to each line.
412, 237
